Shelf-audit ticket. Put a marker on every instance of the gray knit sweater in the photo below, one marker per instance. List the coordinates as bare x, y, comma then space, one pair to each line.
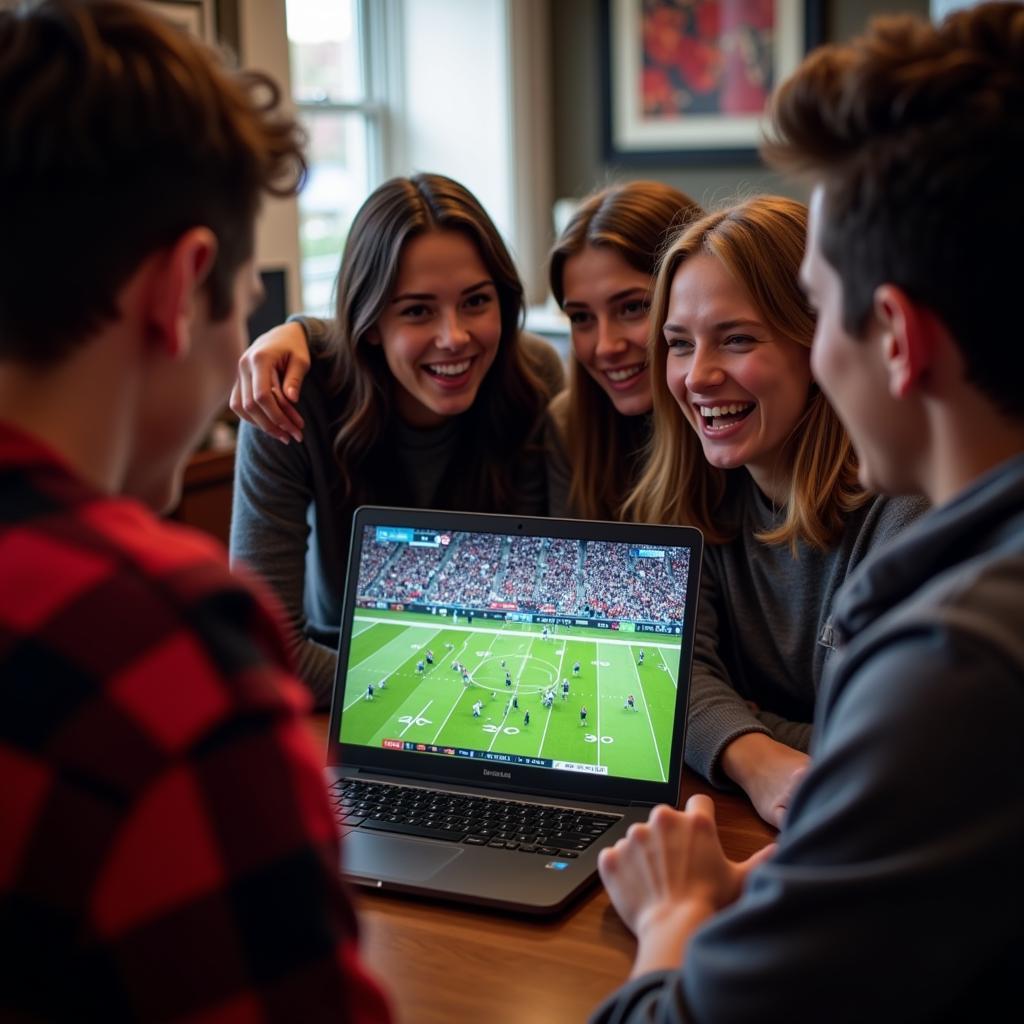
764, 625
291, 526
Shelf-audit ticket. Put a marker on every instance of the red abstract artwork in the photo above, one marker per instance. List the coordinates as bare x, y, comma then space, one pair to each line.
706, 57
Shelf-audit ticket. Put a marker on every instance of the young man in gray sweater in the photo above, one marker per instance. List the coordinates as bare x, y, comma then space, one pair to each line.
895, 891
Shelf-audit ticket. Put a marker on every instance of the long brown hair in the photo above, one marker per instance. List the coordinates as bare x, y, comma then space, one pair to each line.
761, 243
511, 398
637, 220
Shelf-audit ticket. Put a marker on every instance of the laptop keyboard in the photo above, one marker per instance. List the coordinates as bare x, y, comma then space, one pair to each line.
474, 820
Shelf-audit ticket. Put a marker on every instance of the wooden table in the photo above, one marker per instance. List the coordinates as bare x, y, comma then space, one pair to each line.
445, 963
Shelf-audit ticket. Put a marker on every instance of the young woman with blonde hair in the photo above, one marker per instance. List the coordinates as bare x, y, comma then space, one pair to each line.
746, 447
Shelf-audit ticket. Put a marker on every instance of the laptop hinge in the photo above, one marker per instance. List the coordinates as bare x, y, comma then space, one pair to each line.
426, 780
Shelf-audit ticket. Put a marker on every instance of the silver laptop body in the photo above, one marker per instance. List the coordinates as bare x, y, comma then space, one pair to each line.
511, 695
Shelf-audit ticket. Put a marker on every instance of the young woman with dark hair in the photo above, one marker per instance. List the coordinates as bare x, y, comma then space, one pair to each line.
420, 392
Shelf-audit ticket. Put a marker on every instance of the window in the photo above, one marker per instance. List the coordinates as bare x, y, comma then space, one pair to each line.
333, 85
389, 87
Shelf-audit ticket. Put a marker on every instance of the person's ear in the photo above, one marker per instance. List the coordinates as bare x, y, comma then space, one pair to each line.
372, 336
175, 296
907, 339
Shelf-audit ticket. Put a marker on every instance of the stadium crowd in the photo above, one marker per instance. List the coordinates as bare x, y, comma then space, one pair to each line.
372, 560
596, 579
520, 577
560, 583
410, 574
620, 586
468, 576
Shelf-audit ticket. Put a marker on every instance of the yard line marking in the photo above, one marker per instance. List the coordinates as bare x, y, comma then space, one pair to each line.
515, 692
352, 703
597, 701
449, 715
395, 639
647, 712
462, 691
416, 717
354, 670
675, 682
547, 721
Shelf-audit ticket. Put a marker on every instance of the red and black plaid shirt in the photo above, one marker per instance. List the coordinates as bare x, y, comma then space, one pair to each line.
167, 849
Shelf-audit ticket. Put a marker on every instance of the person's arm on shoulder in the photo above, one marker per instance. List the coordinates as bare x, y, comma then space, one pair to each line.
270, 376
270, 534
896, 881
223, 887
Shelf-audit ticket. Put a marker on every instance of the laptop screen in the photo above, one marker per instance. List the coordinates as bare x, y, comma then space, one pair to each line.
543, 652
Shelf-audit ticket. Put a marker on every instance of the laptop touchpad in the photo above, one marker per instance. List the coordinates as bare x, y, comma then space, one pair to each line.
394, 857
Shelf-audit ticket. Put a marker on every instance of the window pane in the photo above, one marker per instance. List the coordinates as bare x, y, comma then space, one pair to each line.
324, 44
338, 184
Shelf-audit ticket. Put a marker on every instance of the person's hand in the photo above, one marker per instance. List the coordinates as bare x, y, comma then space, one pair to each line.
768, 771
668, 875
270, 374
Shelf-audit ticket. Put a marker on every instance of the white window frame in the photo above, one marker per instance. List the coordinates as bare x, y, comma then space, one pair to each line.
529, 159
376, 24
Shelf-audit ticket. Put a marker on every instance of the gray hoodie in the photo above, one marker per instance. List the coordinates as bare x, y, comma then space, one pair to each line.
897, 891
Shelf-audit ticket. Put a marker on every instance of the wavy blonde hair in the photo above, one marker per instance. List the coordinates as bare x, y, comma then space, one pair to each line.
637, 220
761, 243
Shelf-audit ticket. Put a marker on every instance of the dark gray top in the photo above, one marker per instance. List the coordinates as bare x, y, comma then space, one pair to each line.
896, 893
763, 625
556, 458
559, 468
290, 524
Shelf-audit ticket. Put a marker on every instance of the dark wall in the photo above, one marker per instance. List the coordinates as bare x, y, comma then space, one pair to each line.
579, 163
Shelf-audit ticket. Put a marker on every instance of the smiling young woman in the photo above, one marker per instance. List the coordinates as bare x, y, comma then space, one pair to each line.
420, 392
746, 447
601, 273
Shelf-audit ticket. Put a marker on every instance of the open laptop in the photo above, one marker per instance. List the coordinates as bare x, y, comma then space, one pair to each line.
511, 695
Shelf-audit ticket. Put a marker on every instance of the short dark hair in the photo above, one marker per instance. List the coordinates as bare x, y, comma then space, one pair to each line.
118, 133
916, 132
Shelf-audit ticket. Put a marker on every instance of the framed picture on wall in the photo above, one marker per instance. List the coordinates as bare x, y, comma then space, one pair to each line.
195, 16
687, 81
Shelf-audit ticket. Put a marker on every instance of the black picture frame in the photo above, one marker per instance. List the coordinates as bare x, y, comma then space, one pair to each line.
194, 16
805, 21
215, 21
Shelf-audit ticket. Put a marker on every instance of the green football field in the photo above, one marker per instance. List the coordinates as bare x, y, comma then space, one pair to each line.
436, 707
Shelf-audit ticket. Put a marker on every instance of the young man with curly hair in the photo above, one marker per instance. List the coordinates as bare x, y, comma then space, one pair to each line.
167, 848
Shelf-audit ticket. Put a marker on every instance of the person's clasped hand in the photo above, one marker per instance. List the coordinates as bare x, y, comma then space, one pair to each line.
668, 875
